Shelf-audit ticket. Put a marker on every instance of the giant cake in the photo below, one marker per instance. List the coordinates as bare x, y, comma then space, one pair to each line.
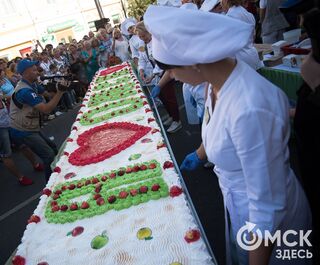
114, 197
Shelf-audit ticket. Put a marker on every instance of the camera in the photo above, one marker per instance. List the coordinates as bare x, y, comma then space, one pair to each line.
63, 83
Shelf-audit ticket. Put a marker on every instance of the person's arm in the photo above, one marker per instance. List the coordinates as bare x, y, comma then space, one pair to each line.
201, 152
46, 108
165, 79
29, 97
260, 138
142, 64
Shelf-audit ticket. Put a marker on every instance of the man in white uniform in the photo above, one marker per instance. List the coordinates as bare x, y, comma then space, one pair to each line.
245, 129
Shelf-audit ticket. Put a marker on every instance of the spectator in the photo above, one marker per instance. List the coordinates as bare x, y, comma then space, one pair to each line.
12, 74
90, 57
95, 44
120, 46
91, 34
105, 39
103, 57
86, 37
59, 62
77, 64
5, 146
45, 63
6, 87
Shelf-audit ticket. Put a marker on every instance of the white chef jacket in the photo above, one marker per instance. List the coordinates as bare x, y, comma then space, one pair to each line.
145, 64
249, 53
135, 43
246, 137
121, 50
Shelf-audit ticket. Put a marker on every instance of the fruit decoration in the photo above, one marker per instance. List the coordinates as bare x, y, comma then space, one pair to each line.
144, 233
100, 241
192, 236
175, 191
34, 219
134, 157
76, 231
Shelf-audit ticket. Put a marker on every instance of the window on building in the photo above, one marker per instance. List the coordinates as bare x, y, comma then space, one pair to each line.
7, 7
116, 19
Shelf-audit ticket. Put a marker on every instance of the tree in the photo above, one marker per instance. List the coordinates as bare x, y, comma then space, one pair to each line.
136, 8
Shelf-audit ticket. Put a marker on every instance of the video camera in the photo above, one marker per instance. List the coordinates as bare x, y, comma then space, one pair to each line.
62, 82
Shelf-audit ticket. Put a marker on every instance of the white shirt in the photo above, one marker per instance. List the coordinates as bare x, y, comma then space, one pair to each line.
135, 43
246, 137
249, 53
46, 67
121, 50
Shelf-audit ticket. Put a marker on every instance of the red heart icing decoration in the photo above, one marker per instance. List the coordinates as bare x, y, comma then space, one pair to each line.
104, 141
112, 70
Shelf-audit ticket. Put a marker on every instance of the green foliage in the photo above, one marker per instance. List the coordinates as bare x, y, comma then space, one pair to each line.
136, 8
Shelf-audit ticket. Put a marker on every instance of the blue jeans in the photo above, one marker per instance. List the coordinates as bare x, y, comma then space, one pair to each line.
40, 147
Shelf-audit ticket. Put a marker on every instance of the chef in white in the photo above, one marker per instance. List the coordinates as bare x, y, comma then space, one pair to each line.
249, 53
128, 29
245, 129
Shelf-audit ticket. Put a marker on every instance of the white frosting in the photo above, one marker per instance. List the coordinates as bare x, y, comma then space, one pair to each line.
168, 218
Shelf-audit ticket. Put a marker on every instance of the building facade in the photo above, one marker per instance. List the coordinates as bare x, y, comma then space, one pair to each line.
22, 22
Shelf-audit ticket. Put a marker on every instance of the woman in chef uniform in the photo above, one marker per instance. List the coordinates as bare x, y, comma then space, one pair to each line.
128, 28
249, 53
245, 129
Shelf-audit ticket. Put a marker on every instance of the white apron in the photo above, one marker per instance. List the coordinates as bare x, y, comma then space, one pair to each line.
194, 101
246, 138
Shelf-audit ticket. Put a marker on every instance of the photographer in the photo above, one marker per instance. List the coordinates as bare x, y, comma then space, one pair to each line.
26, 105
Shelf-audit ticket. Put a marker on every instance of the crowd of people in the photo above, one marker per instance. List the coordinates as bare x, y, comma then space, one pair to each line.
245, 119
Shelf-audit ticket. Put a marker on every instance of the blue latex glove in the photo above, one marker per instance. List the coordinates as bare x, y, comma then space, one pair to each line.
191, 162
155, 91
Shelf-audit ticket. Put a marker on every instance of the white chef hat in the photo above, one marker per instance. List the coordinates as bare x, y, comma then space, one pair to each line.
186, 37
174, 3
127, 24
207, 5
